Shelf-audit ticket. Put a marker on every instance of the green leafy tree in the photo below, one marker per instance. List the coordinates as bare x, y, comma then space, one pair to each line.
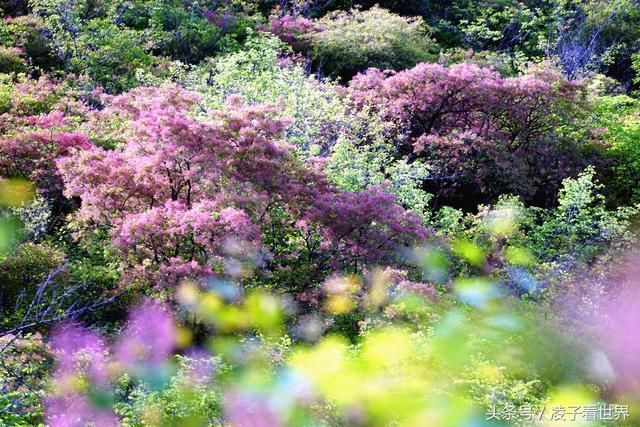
358, 148
619, 120
112, 41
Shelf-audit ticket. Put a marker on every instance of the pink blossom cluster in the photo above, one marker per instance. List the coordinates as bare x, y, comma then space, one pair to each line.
400, 284
178, 188
517, 134
31, 152
367, 226
85, 365
39, 125
291, 29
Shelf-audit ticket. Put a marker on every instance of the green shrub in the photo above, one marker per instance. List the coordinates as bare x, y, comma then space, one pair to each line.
112, 43
20, 274
26, 33
11, 61
181, 401
26, 362
572, 236
349, 42
189, 32
619, 121
582, 227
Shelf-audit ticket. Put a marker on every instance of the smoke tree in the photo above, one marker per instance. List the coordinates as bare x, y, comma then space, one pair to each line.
482, 133
186, 198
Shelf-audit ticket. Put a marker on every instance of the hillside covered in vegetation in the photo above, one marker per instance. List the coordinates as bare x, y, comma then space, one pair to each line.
319, 213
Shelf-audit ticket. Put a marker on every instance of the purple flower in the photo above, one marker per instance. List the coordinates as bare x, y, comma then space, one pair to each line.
244, 409
149, 338
80, 355
620, 340
79, 351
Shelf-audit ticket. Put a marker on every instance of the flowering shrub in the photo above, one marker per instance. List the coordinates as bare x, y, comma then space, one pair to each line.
39, 121
292, 30
520, 134
178, 191
322, 127
32, 155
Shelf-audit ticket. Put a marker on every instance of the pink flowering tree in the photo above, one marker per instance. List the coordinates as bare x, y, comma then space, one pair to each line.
483, 134
39, 123
292, 30
187, 198
31, 152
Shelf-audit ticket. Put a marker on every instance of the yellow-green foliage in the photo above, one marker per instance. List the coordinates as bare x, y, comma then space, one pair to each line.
352, 41
11, 61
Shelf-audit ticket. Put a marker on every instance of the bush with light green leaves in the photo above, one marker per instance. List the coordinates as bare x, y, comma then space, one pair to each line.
349, 42
619, 120
582, 228
357, 147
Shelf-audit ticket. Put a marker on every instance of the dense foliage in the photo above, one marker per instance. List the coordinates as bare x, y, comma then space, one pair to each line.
343, 43
319, 212
521, 135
